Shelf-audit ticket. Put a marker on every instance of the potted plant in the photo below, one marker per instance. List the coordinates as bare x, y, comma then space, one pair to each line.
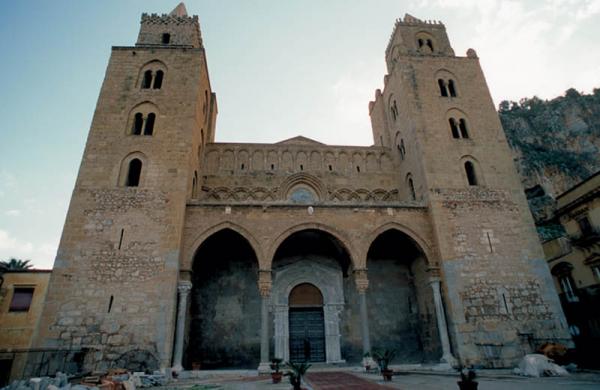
297, 372
383, 359
467, 379
276, 375
367, 361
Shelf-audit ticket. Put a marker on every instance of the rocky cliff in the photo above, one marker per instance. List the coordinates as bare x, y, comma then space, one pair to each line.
556, 144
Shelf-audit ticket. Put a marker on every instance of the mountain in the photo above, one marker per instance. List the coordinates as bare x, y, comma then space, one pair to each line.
556, 144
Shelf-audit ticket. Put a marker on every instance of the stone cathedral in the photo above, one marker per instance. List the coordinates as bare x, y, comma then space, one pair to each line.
179, 251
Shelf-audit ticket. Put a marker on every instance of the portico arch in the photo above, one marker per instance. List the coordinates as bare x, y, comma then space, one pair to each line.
224, 318
315, 257
340, 238
204, 235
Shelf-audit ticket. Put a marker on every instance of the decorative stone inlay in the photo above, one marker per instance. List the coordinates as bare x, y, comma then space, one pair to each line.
329, 281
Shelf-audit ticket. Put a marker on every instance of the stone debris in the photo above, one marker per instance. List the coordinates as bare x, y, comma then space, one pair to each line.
114, 379
536, 365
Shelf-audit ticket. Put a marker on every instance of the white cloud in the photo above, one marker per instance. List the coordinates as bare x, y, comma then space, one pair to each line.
13, 213
41, 256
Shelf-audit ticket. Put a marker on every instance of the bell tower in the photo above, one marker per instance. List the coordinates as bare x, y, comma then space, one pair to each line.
437, 115
114, 285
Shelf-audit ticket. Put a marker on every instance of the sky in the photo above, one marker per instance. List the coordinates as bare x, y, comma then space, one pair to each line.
279, 69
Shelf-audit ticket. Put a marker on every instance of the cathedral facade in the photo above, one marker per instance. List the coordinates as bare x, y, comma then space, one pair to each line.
179, 251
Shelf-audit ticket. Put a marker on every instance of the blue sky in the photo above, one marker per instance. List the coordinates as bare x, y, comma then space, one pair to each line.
279, 68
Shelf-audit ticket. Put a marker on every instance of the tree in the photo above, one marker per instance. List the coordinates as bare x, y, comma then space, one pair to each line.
16, 264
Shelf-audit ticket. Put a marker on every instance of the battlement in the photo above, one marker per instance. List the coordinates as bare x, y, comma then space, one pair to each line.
167, 19
173, 29
410, 21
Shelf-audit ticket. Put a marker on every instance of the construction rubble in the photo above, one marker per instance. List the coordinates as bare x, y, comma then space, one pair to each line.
113, 379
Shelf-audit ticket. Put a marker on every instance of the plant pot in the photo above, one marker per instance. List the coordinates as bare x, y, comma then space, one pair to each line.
467, 385
276, 376
387, 375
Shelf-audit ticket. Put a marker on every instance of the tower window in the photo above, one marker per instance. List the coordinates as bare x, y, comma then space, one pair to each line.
411, 187
402, 149
454, 128
357, 169
138, 122
420, 42
462, 124
394, 111
158, 79
443, 89
430, 44
147, 81
166, 38
451, 88
134, 173
149, 128
470, 171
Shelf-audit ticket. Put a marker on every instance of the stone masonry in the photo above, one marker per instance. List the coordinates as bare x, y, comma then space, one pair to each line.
422, 242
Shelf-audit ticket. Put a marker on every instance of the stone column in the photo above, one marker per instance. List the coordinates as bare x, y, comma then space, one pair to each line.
264, 287
183, 288
447, 357
362, 283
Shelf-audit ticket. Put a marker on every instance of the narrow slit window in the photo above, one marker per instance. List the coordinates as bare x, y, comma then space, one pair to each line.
330, 167
158, 79
411, 187
470, 171
301, 167
420, 42
443, 89
272, 167
462, 124
147, 81
166, 38
134, 173
121, 238
242, 167
110, 303
402, 149
357, 169
149, 128
138, 123
453, 128
451, 88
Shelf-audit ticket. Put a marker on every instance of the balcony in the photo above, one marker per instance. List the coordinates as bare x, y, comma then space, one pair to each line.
586, 238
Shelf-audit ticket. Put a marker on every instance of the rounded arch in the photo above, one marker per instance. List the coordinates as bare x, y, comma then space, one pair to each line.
305, 294
280, 239
305, 179
468, 160
138, 117
425, 42
562, 269
462, 124
123, 168
417, 240
153, 66
226, 225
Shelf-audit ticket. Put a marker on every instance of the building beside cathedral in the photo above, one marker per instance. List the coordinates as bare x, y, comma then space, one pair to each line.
179, 251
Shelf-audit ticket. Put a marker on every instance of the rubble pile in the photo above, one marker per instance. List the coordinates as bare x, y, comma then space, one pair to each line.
114, 379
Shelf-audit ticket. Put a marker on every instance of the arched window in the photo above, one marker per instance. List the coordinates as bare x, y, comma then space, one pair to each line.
158, 79
411, 188
454, 128
134, 173
451, 88
147, 81
443, 89
470, 171
462, 124
430, 44
149, 127
138, 122
166, 38
195, 185
420, 42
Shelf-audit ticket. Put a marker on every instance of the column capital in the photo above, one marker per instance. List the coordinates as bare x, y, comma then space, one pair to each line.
361, 280
264, 282
184, 287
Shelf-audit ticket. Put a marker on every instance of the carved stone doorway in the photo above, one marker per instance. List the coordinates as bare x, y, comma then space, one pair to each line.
306, 323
